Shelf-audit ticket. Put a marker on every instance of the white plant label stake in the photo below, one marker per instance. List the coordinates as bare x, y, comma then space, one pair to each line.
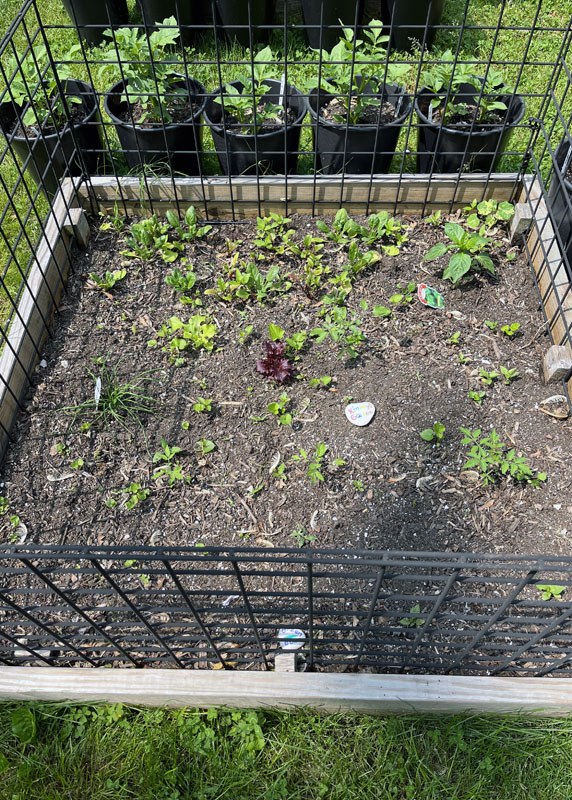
97, 393
360, 413
282, 99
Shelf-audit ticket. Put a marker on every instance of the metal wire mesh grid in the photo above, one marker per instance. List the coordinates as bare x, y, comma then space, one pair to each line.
207, 608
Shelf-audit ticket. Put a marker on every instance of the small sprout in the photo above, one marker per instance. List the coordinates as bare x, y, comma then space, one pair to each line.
488, 378
4, 504
509, 375
108, 281
316, 383
301, 536
278, 408
463, 359
244, 334
491, 325
434, 434
412, 621
77, 464
135, 494
185, 425
550, 591
275, 332
202, 404
478, 397
511, 330
254, 490
454, 339
358, 486
111, 502
204, 446
14, 520
382, 311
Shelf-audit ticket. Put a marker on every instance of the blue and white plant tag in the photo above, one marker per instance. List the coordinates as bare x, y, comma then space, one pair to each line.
291, 638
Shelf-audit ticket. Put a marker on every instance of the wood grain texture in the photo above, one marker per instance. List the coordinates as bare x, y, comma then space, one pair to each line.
302, 194
368, 694
553, 281
39, 299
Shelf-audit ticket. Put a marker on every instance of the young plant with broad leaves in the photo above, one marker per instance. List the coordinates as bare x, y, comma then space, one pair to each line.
353, 70
249, 103
468, 253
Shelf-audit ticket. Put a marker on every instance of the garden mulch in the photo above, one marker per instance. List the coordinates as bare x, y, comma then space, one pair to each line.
394, 491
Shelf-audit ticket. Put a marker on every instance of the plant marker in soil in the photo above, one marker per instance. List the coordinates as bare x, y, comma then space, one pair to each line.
430, 297
360, 413
291, 638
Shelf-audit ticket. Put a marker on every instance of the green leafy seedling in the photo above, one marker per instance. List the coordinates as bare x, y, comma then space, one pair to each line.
478, 397
301, 536
204, 446
511, 330
278, 408
551, 591
412, 621
509, 375
108, 281
488, 378
492, 325
454, 338
202, 405
434, 434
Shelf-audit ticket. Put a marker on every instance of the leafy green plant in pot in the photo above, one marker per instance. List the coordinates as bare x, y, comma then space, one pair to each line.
86, 13
55, 134
322, 20
465, 119
156, 111
256, 121
357, 114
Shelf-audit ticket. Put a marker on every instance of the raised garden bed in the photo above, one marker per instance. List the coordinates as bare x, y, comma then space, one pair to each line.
70, 481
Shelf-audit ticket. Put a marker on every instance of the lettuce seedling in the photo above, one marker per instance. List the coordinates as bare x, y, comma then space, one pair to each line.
275, 364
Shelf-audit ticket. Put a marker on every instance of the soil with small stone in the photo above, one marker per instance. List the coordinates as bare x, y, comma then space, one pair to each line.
394, 491
232, 123
77, 115
179, 112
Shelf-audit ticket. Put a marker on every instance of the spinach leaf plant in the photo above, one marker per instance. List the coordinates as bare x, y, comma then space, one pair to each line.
446, 78
148, 66
249, 104
351, 71
34, 87
469, 253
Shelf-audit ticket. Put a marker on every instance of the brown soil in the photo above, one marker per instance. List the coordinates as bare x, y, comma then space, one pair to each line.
467, 120
394, 491
277, 123
179, 112
77, 114
370, 115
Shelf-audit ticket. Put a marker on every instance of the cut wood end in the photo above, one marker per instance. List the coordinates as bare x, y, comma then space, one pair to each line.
557, 363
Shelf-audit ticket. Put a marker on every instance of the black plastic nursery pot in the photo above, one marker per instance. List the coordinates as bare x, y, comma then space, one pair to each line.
358, 149
274, 152
408, 13
560, 198
187, 13
96, 12
234, 16
328, 13
50, 157
447, 150
177, 145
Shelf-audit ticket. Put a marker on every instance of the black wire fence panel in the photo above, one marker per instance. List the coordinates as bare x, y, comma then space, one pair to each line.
388, 612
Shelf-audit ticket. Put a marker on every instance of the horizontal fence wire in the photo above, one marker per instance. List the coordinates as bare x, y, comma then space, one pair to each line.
388, 612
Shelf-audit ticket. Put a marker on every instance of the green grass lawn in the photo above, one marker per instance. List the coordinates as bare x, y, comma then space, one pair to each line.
116, 753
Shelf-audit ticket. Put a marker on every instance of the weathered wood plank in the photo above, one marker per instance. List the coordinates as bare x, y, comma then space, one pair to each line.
368, 694
248, 197
39, 299
549, 267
